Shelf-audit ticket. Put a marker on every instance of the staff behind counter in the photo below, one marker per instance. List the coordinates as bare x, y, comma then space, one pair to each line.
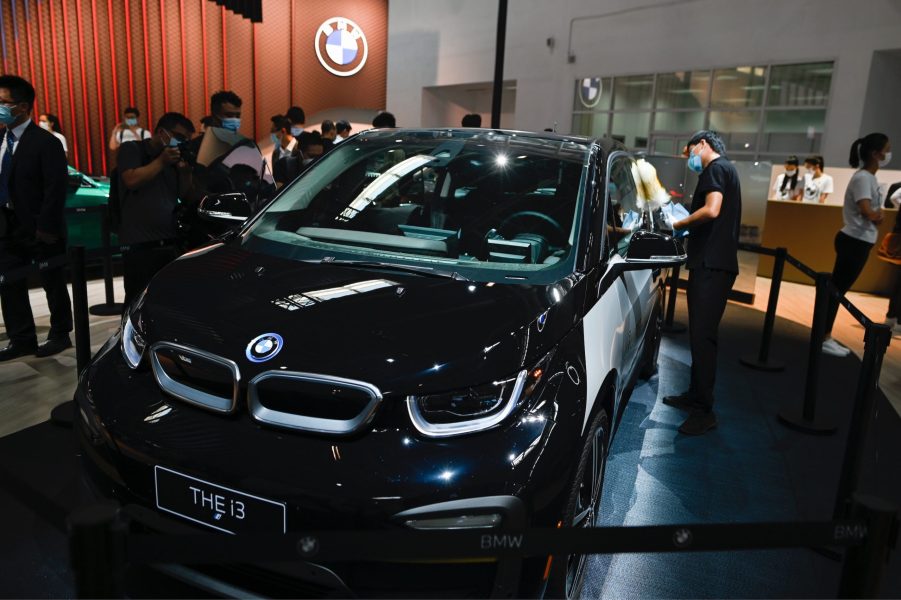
814, 186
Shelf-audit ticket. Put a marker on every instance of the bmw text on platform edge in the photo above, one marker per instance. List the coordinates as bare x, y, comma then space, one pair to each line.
429, 329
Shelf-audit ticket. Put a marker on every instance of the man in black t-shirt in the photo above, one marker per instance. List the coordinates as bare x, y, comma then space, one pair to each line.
714, 225
154, 176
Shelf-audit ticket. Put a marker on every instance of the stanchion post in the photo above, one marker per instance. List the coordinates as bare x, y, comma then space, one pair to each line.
806, 419
109, 307
864, 564
762, 362
668, 325
97, 551
876, 341
107, 257
80, 308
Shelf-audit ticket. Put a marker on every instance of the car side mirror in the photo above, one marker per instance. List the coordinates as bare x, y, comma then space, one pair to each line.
652, 250
233, 207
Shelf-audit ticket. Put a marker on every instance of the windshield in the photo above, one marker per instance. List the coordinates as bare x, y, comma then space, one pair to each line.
490, 206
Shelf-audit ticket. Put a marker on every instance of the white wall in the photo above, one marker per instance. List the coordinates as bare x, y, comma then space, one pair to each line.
436, 42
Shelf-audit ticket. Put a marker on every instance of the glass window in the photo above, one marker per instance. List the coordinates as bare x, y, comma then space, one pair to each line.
685, 89
631, 128
739, 87
592, 93
624, 200
590, 124
793, 131
679, 122
800, 85
486, 205
737, 128
630, 93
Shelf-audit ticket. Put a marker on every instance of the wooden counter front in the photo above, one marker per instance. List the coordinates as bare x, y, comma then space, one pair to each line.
808, 232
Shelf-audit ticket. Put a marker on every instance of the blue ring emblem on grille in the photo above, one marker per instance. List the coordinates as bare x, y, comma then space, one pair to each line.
263, 347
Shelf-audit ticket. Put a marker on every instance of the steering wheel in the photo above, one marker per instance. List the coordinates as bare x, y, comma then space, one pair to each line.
550, 225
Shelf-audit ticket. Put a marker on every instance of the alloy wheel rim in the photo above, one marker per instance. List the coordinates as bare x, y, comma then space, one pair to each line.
584, 516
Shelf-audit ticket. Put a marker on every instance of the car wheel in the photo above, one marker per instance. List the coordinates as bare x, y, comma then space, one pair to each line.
567, 576
652, 345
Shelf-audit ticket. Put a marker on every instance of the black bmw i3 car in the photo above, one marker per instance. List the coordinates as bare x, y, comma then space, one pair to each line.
429, 329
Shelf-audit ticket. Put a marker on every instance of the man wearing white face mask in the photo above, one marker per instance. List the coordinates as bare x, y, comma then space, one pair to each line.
32, 222
283, 141
154, 176
712, 266
128, 130
225, 108
298, 120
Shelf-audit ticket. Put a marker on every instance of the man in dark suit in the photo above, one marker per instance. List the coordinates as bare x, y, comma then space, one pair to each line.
33, 180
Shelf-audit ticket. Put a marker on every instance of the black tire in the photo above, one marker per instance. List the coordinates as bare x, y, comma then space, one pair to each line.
652, 344
567, 576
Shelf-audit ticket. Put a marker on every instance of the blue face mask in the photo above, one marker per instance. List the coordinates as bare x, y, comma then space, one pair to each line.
275, 139
232, 124
131, 122
296, 131
695, 164
6, 115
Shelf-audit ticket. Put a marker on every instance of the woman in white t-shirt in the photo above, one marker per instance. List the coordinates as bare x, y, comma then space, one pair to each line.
862, 212
789, 184
51, 124
817, 185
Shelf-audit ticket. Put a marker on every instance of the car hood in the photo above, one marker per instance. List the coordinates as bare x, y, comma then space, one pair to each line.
405, 333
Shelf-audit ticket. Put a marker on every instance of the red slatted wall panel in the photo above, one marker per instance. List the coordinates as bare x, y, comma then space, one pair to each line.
88, 59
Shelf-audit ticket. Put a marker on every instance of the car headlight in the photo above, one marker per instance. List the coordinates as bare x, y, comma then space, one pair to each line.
470, 410
132, 343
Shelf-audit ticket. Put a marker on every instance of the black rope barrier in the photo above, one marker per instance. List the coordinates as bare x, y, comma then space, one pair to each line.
101, 544
801, 266
758, 249
381, 545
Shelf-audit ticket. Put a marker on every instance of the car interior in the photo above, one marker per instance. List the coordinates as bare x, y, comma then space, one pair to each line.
468, 203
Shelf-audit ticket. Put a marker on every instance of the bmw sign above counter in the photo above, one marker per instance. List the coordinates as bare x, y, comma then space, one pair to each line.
341, 47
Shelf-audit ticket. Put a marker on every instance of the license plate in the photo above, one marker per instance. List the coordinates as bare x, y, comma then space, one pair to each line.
216, 506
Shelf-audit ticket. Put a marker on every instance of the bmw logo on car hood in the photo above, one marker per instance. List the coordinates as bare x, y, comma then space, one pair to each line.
263, 347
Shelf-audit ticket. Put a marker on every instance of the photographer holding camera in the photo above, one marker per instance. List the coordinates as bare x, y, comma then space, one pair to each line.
154, 175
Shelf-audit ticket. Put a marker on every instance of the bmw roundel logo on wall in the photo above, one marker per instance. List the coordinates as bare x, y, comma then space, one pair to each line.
263, 347
590, 91
341, 46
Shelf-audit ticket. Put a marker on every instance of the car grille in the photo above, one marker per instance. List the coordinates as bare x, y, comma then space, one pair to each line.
195, 376
312, 402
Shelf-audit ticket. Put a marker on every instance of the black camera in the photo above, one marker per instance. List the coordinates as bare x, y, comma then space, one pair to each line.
188, 152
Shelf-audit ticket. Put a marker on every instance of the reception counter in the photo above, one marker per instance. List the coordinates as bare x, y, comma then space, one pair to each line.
808, 231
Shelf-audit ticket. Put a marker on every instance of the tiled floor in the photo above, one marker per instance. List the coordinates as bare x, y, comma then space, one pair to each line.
31, 387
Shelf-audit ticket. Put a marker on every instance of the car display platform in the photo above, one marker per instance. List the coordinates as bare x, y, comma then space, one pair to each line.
749, 469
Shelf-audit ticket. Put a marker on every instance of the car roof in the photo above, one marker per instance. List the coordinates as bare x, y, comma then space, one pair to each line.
606, 144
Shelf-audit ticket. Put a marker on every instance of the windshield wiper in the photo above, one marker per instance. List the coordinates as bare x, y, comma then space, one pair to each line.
374, 264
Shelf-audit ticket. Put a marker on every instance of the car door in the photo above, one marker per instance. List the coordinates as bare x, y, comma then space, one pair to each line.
637, 285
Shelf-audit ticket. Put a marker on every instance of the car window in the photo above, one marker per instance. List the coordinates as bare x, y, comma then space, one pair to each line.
494, 205
623, 213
